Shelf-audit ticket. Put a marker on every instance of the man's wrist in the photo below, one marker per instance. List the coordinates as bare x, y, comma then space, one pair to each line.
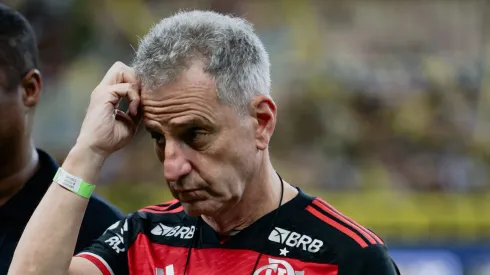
84, 163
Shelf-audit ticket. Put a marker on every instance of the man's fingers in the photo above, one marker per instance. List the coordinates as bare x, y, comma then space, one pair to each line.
127, 90
129, 121
138, 117
119, 73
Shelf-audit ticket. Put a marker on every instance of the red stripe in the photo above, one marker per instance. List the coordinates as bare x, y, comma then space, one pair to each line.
170, 202
163, 211
343, 219
163, 205
337, 225
157, 208
102, 267
176, 210
160, 207
375, 236
330, 209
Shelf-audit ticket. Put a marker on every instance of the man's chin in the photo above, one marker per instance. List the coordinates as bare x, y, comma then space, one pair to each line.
197, 208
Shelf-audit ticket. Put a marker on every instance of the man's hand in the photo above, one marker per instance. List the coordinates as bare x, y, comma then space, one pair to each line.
106, 129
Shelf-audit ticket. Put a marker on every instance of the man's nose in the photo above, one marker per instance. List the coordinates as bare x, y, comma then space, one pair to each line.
175, 164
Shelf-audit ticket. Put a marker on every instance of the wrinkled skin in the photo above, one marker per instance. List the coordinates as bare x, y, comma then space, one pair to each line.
211, 155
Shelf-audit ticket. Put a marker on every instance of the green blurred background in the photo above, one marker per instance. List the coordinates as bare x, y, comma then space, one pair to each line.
383, 106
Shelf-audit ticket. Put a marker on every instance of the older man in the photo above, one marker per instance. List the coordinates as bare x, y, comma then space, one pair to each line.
203, 82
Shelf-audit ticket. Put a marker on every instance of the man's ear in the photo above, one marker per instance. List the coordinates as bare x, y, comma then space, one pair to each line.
32, 86
264, 111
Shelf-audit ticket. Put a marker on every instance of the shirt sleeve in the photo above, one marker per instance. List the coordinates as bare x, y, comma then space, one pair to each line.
98, 217
373, 259
109, 252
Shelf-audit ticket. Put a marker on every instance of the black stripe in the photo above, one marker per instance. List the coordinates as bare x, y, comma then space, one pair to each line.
163, 204
173, 206
369, 232
372, 233
342, 223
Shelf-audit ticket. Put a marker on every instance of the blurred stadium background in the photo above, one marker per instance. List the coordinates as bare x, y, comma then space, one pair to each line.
384, 110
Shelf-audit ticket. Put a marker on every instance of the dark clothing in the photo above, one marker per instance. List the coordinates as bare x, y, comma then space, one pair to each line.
15, 214
307, 237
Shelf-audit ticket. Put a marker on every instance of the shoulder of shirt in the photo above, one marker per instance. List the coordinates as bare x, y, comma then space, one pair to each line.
340, 232
99, 215
172, 209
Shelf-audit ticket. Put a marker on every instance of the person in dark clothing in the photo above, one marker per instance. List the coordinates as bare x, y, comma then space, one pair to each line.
26, 172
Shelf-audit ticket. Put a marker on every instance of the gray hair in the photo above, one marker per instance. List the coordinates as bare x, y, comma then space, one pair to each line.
232, 53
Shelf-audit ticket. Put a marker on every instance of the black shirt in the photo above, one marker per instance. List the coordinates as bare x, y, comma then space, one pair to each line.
15, 214
307, 237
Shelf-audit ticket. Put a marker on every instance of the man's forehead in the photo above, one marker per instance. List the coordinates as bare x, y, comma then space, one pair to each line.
180, 107
192, 77
176, 123
191, 93
172, 91
190, 99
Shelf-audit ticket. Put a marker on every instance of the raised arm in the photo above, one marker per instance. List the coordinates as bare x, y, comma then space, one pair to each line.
47, 244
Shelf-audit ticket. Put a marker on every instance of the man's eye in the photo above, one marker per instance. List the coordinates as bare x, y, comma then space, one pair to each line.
195, 136
157, 137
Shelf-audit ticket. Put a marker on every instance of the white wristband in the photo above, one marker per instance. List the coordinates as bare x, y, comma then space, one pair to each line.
73, 183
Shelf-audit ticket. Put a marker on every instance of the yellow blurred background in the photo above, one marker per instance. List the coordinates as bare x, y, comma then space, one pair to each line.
383, 106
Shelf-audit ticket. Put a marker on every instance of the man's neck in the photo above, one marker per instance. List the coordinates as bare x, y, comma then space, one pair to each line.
260, 197
17, 171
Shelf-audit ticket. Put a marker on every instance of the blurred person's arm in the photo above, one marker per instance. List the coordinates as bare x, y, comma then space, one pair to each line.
47, 244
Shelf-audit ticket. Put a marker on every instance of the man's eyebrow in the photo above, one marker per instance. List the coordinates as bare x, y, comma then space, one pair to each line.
187, 122
180, 124
151, 129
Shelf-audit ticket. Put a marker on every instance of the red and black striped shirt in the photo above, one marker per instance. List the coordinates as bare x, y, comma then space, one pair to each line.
309, 237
